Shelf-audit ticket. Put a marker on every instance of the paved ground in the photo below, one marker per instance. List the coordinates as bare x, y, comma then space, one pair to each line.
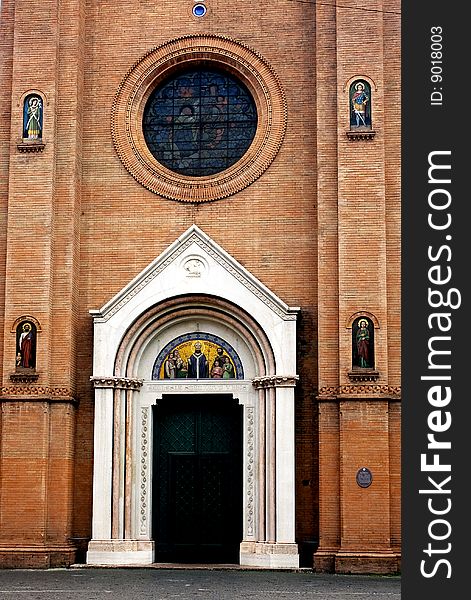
183, 584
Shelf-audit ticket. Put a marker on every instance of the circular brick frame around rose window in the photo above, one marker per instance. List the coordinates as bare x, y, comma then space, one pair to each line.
163, 62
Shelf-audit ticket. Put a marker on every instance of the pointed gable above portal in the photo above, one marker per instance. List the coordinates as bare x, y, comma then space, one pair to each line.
194, 264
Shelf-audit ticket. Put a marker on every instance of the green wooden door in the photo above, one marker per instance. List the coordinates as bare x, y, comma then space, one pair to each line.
197, 479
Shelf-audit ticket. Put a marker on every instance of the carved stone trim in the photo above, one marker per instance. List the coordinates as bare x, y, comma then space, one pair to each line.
363, 375
128, 107
393, 392
144, 471
122, 383
361, 135
271, 381
197, 386
250, 470
30, 146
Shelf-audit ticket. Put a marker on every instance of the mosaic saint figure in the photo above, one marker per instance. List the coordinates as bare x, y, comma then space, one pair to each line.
25, 347
363, 343
186, 135
228, 369
198, 367
217, 370
360, 115
221, 355
32, 118
170, 366
197, 355
181, 367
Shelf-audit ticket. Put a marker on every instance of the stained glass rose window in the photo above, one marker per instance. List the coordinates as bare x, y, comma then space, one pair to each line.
200, 122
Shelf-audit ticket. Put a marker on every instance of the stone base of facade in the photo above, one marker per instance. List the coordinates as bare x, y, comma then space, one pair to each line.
270, 556
323, 561
386, 563
380, 563
120, 552
37, 557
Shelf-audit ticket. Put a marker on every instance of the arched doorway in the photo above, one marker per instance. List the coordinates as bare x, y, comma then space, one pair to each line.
197, 481
141, 480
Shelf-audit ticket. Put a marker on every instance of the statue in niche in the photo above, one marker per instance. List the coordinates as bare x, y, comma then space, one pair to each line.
363, 343
33, 117
26, 345
360, 105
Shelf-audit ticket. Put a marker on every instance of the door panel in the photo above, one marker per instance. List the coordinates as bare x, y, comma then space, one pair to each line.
197, 479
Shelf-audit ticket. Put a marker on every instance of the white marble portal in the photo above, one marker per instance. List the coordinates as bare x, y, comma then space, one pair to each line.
193, 286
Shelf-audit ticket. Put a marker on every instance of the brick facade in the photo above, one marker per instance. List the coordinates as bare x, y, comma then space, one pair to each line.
319, 226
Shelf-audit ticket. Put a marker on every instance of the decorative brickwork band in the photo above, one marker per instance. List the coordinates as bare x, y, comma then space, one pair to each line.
122, 383
36, 392
272, 381
392, 392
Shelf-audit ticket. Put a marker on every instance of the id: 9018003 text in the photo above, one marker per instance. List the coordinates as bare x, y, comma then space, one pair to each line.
436, 65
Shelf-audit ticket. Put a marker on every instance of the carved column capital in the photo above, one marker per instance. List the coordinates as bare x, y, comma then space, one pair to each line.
273, 381
123, 383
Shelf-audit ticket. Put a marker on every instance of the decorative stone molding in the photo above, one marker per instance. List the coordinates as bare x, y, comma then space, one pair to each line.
197, 386
369, 391
144, 472
30, 146
363, 375
123, 383
272, 381
250, 474
361, 135
194, 266
157, 65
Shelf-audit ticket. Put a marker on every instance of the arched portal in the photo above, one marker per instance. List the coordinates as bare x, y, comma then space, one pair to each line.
193, 293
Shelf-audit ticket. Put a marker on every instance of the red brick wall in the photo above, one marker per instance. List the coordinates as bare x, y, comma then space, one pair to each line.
320, 227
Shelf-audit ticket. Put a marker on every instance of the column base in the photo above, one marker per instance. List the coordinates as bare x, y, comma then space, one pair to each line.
120, 552
37, 557
270, 556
